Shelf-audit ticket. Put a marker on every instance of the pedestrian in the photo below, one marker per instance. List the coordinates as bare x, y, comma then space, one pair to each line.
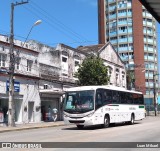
49, 113
54, 115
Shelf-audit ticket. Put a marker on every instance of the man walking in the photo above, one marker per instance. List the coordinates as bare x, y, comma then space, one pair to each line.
55, 111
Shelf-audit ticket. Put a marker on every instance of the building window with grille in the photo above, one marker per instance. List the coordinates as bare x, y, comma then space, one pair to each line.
2, 60
29, 65
64, 59
17, 65
76, 63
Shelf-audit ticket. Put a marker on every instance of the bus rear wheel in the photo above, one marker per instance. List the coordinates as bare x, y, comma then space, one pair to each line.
80, 126
132, 120
106, 122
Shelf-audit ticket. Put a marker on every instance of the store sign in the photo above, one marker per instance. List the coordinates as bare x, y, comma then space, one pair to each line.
16, 86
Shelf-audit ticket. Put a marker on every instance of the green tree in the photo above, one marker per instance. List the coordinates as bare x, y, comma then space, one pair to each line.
130, 79
92, 71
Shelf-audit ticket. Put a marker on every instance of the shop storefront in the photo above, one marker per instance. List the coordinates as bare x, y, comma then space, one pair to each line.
49, 101
18, 107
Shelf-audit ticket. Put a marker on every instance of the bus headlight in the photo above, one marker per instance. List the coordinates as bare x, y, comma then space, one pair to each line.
89, 115
65, 115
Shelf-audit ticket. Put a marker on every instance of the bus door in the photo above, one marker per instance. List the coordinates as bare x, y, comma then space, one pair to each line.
98, 107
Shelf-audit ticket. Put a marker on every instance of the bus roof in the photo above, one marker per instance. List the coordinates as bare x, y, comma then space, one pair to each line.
110, 87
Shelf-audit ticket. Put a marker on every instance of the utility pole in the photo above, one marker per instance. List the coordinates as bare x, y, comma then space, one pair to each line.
154, 92
11, 103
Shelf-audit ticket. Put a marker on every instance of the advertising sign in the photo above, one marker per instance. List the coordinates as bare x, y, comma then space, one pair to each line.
16, 86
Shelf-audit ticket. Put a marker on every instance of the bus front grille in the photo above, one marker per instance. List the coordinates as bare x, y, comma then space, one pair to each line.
76, 117
82, 121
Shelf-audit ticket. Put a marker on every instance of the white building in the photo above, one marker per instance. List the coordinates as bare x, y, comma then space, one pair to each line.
26, 76
43, 73
117, 71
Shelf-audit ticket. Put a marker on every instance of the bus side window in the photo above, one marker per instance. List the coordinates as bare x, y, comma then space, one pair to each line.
98, 100
115, 98
123, 97
135, 99
129, 98
140, 99
107, 97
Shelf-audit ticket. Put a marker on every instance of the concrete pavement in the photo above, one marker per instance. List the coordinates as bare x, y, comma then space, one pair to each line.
26, 126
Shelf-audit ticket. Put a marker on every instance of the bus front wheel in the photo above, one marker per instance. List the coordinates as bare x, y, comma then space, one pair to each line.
80, 126
106, 122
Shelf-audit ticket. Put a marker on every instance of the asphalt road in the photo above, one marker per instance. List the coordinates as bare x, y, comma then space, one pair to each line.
147, 130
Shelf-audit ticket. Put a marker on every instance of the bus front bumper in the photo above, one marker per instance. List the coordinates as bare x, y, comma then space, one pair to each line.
79, 121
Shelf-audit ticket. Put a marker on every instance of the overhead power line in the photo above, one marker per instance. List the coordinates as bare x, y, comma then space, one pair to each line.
56, 21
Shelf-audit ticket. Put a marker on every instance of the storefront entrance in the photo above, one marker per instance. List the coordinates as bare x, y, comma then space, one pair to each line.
18, 109
31, 111
4, 109
47, 106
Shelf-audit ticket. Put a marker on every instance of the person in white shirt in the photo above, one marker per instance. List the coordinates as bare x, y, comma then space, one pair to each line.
54, 116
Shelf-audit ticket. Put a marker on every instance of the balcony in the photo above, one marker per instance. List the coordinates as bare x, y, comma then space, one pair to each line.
111, 1
66, 79
113, 16
49, 72
113, 33
123, 40
122, 14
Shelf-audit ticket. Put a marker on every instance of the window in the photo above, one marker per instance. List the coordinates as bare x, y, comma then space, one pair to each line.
123, 80
115, 98
107, 97
110, 69
122, 11
29, 65
76, 63
138, 98
129, 97
2, 60
122, 19
98, 99
123, 97
123, 28
123, 36
17, 65
64, 59
123, 45
65, 65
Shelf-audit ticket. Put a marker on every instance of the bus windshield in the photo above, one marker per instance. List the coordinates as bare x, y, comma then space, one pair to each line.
79, 101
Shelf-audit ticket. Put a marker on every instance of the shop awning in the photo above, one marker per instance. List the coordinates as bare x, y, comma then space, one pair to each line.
51, 91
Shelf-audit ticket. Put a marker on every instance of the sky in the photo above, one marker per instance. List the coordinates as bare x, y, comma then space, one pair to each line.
72, 22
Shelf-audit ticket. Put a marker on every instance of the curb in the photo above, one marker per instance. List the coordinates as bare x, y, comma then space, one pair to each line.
28, 128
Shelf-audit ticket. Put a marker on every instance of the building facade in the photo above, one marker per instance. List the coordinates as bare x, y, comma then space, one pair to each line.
132, 32
43, 73
26, 81
116, 67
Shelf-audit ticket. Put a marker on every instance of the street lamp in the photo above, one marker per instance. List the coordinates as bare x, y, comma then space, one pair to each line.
11, 103
35, 24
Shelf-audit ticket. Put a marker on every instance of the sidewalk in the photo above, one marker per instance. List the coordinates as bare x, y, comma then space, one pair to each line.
26, 126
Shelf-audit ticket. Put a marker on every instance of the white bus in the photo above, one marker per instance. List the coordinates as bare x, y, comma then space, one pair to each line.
104, 105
